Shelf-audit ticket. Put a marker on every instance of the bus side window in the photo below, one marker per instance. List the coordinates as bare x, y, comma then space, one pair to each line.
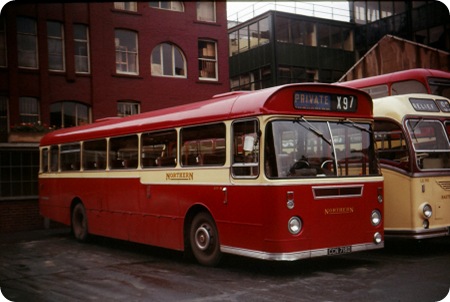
159, 149
410, 86
203, 145
94, 155
391, 145
44, 160
245, 157
54, 158
70, 157
123, 152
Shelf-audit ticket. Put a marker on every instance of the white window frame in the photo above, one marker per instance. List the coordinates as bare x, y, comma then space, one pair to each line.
125, 56
172, 4
127, 6
158, 69
29, 109
203, 11
206, 59
125, 106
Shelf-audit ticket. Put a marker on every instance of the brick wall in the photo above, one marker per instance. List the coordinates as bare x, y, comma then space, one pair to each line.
20, 215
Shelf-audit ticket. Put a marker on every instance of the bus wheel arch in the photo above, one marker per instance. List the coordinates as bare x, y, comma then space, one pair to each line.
79, 221
202, 237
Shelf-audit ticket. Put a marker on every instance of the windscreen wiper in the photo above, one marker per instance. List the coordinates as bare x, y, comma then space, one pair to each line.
313, 129
355, 125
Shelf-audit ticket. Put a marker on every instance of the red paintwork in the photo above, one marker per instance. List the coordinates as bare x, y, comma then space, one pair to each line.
418, 74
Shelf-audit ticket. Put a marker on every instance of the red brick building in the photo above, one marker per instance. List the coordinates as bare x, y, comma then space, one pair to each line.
66, 64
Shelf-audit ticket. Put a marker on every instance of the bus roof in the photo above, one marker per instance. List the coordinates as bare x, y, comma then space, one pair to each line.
409, 74
221, 107
399, 106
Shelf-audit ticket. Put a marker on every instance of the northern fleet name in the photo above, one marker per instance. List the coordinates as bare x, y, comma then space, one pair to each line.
336, 211
180, 176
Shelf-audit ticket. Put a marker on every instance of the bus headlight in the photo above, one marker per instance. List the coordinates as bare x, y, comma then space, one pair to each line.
375, 218
295, 225
427, 211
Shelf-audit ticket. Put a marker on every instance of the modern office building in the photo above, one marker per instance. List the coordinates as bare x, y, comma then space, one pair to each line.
280, 47
67, 64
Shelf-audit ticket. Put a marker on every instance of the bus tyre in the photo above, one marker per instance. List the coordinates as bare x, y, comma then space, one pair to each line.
79, 223
204, 240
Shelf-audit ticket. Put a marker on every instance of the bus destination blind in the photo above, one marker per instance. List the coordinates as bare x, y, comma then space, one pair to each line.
306, 100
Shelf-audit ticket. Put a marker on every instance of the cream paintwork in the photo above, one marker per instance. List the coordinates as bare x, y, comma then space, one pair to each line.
405, 195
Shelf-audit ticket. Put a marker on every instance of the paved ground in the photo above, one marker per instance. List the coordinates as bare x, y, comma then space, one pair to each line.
51, 266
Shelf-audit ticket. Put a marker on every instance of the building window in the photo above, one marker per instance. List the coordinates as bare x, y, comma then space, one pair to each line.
126, 52
27, 43
168, 60
126, 108
69, 114
19, 168
55, 42
251, 36
29, 109
4, 124
2, 42
129, 6
169, 5
206, 11
81, 44
207, 60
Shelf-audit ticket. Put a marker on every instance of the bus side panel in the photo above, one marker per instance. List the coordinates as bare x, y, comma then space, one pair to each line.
397, 196
51, 204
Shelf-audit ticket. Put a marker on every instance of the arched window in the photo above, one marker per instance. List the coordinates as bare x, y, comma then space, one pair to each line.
69, 114
169, 5
168, 60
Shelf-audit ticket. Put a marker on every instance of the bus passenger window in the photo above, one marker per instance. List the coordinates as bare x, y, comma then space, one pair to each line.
391, 145
123, 152
44, 160
70, 157
94, 155
159, 149
54, 158
245, 156
203, 145
411, 86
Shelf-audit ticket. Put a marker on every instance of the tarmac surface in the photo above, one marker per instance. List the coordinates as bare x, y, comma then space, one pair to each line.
50, 265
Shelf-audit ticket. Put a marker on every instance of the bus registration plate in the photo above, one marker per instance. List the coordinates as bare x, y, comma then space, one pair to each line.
339, 250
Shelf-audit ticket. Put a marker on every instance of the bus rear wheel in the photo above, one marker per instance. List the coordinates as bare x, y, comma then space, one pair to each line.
79, 223
204, 240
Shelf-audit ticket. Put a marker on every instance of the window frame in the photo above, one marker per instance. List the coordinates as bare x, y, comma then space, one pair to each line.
128, 104
21, 52
160, 50
124, 51
57, 41
205, 59
201, 9
80, 41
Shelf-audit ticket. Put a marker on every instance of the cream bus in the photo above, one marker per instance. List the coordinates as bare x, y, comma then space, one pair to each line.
411, 132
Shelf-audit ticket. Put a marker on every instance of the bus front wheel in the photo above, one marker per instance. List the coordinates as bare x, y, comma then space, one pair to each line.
204, 240
79, 223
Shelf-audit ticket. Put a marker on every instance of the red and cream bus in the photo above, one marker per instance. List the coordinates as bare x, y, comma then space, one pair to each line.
283, 173
418, 80
411, 131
